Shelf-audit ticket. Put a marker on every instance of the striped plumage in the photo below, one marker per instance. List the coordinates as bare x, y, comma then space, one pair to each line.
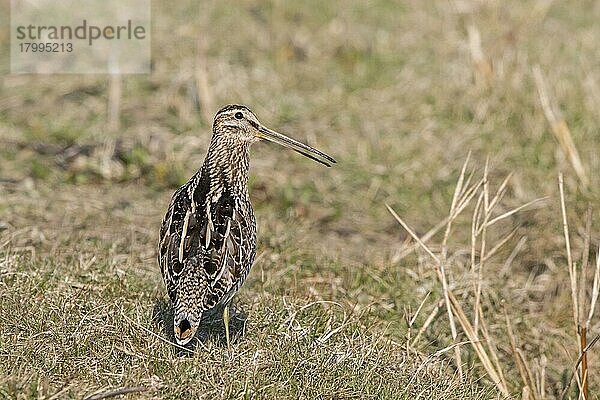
208, 236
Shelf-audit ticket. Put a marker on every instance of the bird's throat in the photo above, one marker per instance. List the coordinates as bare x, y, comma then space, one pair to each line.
227, 164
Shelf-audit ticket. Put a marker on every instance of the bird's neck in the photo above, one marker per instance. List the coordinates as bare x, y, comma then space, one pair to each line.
227, 164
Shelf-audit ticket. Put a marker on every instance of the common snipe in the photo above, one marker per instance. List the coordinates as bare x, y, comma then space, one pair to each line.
208, 235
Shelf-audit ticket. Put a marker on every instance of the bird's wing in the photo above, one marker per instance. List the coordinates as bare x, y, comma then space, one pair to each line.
222, 246
204, 233
171, 264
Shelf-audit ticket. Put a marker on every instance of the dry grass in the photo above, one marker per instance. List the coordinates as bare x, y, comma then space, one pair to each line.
485, 216
342, 302
88, 313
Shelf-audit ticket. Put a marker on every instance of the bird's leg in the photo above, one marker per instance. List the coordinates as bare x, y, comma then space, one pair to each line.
226, 322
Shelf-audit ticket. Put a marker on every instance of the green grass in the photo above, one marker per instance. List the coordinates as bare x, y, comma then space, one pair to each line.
87, 311
391, 92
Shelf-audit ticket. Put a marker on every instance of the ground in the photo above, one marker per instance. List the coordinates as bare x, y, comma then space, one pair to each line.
401, 94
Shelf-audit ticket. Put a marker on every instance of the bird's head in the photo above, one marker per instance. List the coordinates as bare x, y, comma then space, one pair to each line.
238, 123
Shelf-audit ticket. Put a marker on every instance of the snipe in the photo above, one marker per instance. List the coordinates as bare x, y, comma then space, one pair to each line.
208, 235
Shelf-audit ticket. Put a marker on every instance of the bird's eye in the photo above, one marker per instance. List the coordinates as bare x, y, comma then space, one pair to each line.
239, 115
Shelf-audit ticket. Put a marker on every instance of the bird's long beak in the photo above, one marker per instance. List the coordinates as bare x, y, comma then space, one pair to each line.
276, 137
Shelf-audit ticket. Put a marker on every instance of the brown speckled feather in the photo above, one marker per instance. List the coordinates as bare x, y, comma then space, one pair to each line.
208, 236
219, 241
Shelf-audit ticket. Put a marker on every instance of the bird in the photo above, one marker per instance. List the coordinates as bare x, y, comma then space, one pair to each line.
207, 241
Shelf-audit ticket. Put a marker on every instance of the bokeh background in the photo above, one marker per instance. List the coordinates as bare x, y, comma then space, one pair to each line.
399, 92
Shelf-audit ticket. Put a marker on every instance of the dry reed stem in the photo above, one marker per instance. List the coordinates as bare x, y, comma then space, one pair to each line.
411, 321
414, 317
513, 255
481, 220
438, 265
585, 262
409, 249
574, 371
519, 358
462, 204
455, 200
530, 379
492, 252
474, 228
491, 346
559, 128
582, 327
489, 206
579, 292
427, 322
488, 365
595, 290
486, 213
570, 264
584, 362
515, 210
414, 236
496, 377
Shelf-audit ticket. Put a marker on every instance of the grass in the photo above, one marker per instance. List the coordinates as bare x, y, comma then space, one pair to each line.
87, 312
341, 302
